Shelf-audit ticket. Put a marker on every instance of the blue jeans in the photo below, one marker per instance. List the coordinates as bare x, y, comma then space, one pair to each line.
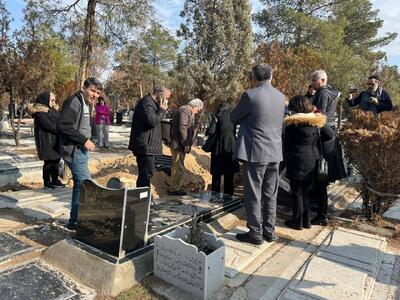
80, 172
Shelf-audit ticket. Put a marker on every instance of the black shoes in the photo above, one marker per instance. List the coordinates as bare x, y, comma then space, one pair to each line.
322, 221
48, 186
293, 225
177, 193
246, 238
269, 239
58, 184
72, 226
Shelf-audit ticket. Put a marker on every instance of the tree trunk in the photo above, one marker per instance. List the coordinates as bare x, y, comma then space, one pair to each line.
87, 44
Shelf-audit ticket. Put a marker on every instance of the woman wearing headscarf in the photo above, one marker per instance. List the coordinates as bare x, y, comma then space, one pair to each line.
222, 163
45, 111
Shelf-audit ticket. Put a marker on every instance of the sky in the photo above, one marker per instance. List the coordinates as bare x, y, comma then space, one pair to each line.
168, 13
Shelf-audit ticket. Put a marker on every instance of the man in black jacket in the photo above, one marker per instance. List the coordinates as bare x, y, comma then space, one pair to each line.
75, 131
326, 97
325, 100
374, 99
145, 140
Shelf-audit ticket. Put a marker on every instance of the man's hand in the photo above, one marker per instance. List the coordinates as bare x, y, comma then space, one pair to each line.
373, 100
187, 149
89, 145
164, 104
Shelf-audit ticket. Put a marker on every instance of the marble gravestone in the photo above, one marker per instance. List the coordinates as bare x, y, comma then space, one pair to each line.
113, 220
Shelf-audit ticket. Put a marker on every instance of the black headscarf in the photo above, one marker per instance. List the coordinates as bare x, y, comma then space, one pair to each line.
223, 108
43, 98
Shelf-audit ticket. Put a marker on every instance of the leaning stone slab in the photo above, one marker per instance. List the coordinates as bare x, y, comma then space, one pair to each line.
239, 254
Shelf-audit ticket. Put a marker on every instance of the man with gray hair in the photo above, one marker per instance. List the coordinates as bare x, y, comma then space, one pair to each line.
182, 134
260, 112
325, 98
145, 139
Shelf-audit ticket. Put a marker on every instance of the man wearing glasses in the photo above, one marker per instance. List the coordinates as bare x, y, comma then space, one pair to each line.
374, 99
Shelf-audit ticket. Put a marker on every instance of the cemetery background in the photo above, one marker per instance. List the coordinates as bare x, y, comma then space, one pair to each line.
348, 48
247, 271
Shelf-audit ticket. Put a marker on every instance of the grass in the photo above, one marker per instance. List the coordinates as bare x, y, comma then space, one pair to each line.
138, 292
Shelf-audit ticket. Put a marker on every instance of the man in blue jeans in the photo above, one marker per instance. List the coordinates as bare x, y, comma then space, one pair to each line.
74, 127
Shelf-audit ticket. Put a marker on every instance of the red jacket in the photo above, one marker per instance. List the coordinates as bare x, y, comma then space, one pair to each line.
102, 111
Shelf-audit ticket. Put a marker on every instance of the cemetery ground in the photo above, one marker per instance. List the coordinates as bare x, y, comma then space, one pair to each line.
352, 258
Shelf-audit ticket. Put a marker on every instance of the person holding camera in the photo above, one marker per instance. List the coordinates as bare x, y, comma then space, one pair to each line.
145, 140
374, 99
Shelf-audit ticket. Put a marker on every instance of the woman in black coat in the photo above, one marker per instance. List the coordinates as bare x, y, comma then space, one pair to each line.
222, 150
302, 132
46, 138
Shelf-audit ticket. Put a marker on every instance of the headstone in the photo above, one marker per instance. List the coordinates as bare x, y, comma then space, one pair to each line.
33, 282
187, 268
11, 246
113, 220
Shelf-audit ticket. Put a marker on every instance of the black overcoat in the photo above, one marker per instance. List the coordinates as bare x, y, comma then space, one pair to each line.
224, 145
45, 128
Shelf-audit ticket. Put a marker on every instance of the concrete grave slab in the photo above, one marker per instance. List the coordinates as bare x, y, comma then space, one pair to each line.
11, 246
355, 245
56, 207
238, 255
393, 213
32, 281
322, 278
98, 273
344, 256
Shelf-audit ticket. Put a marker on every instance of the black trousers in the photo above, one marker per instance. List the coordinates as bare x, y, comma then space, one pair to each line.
146, 165
321, 194
50, 170
228, 183
301, 202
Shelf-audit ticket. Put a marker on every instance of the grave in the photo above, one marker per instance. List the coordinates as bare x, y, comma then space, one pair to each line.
344, 256
34, 281
11, 247
115, 232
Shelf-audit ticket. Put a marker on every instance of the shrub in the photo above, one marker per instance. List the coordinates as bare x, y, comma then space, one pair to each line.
372, 144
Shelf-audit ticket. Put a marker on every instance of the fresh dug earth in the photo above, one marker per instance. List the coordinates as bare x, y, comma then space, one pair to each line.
196, 178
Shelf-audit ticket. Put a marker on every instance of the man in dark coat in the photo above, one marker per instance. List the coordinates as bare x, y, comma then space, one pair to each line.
145, 141
325, 100
46, 138
74, 127
374, 99
260, 113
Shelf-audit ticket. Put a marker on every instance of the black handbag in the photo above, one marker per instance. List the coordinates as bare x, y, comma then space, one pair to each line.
212, 135
322, 171
209, 144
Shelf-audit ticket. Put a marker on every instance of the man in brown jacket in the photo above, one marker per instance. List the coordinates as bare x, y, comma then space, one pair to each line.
182, 132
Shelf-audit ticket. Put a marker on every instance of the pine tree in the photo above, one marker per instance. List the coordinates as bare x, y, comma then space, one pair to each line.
218, 46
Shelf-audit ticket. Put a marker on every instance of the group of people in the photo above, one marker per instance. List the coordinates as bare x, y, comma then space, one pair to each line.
300, 134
